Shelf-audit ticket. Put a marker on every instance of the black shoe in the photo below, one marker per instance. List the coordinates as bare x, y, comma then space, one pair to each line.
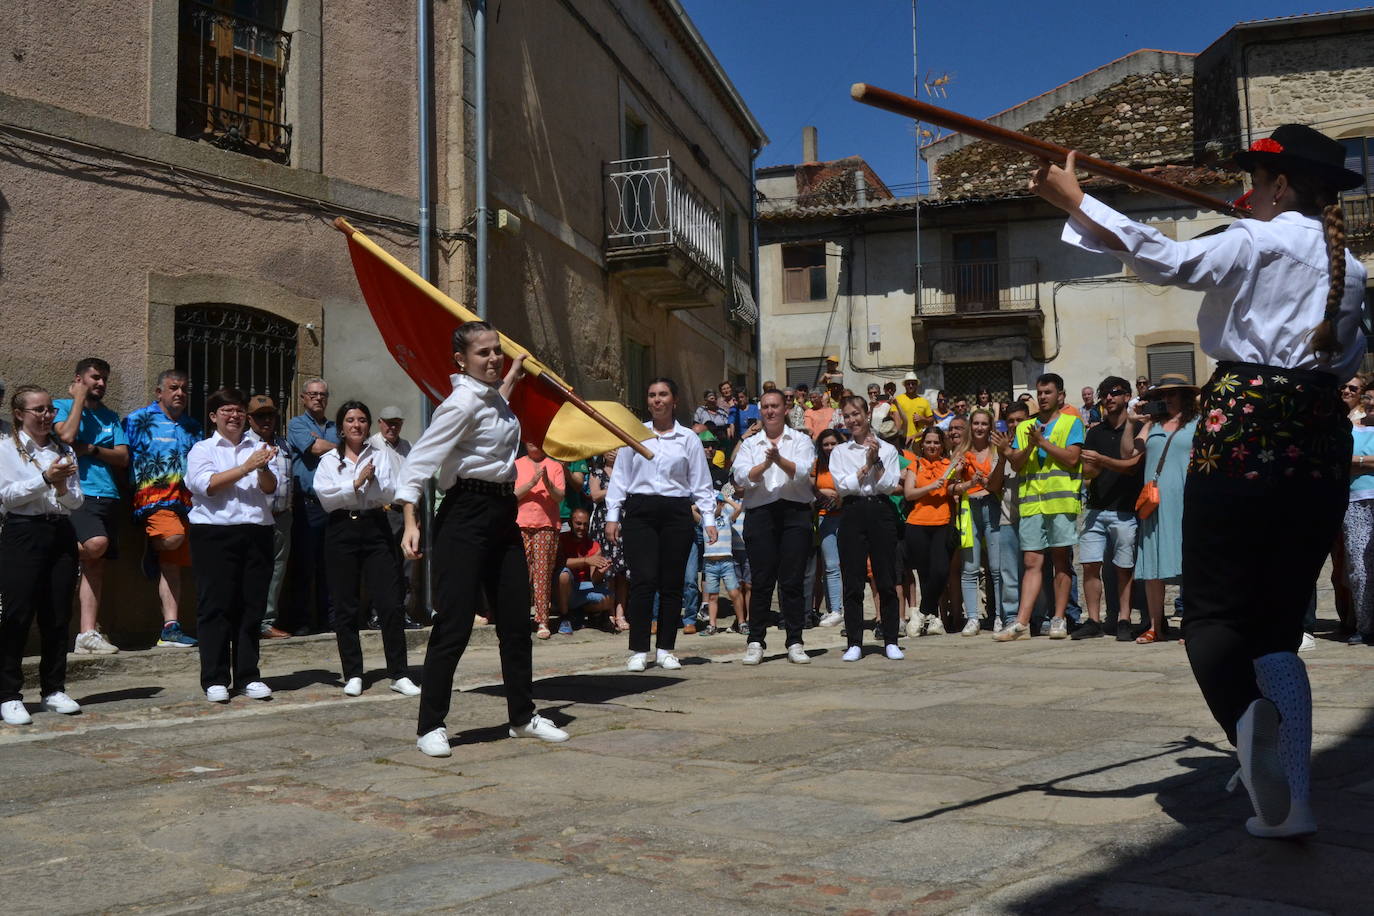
409, 624
1086, 630
303, 630
373, 623
1123, 632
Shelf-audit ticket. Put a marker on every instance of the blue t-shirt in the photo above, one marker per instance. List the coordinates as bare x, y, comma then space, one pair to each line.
721, 549
99, 426
1075, 433
742, 418
300, 435
1362, 485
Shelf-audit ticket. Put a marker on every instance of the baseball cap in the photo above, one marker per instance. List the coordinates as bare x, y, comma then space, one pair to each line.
261, 403
391, 412
911, 377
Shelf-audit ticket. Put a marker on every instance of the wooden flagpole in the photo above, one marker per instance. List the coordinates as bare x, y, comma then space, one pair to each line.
533, 366
1034, 146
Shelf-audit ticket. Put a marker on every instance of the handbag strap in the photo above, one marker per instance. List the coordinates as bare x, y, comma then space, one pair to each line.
1159, 468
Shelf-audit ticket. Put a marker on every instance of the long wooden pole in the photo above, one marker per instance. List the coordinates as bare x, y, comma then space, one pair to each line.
537, 370
1034, 146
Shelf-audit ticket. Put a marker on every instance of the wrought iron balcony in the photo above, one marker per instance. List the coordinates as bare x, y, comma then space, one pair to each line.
231, 77
978, 287
662, 237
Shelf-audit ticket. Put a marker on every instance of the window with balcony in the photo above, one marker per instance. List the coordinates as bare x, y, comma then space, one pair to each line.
975, 271
803, 273
1175, 358
1358, 204
232, 58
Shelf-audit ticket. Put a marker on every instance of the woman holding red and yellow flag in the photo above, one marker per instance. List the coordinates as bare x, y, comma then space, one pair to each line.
471, 444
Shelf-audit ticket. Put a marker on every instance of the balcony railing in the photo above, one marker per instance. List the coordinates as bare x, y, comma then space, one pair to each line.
978, 287
649, 203
232, 76
744, 310
1359, 212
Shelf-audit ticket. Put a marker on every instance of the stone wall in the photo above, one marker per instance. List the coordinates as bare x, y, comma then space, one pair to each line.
1326, 82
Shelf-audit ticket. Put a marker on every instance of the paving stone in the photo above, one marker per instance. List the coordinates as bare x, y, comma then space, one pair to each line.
1144, 898
943, 852
769, 816
431, 885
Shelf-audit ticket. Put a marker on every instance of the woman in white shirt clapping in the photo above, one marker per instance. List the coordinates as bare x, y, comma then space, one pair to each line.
649, 506
231, 483
39, 488
355, 485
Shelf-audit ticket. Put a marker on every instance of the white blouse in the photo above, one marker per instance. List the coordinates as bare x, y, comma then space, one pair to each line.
244, 503
473, 434
334, 478
1265, 285
775, 484
846, 464
23, 491
678, 468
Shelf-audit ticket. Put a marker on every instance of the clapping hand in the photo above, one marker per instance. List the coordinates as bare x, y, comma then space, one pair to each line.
366, 472
259, 459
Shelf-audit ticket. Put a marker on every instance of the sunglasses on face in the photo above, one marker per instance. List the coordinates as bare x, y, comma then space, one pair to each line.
1354, 388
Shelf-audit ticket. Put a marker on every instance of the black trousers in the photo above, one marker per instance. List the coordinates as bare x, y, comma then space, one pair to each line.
657, 532
929, 553
233, 569
310, 598
868, 537
778, 539
360, 549
477, 545
1251, 558
37, 578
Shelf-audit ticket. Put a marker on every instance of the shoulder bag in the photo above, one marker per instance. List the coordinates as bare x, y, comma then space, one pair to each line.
1148, 500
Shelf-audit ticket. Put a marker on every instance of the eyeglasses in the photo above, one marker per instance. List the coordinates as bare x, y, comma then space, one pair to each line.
1352, 387
315, 394
1117, 393
41, 411
230, 411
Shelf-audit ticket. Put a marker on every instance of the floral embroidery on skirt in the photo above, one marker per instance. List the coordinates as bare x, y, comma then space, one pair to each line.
1266, 423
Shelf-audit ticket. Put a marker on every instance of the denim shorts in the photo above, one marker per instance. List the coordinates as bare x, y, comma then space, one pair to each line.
742, 567
1043, 531
720, 575
1099, 525
585, 593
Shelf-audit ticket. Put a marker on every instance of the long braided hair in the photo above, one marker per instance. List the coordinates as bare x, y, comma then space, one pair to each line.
17, 412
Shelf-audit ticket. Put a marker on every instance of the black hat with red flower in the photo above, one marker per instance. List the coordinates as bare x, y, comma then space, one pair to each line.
1294, 147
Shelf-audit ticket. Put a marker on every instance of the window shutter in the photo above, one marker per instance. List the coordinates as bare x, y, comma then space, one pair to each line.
1171, 358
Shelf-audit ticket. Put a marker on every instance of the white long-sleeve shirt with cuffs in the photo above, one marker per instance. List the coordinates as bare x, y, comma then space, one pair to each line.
473, 434
775, 484
847, 461
678, 468
334, 478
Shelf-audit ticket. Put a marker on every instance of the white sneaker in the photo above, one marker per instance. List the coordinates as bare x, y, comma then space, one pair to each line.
852, 654
637, 662
405, 687
1261, 770
668, 661
918, 625
833, 619
257, 690
796, 654
753, 654
1309, 642
93, 643
217, 693
353, 687
894, 652
59, 702
997, 625
934, 625
972, 628
1014, 630
1299, 822
434, 743
1059, 628
14, 713
541, 728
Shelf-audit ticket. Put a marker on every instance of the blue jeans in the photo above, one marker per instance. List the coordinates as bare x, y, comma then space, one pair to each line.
691, 591
1011, 564
830, 554
987, 528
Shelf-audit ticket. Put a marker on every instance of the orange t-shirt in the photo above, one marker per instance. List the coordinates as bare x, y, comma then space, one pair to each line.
971, 466
538, 508
933, 508
824, 481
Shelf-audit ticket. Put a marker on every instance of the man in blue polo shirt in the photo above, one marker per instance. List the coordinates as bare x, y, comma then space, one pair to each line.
96, 435
310, 435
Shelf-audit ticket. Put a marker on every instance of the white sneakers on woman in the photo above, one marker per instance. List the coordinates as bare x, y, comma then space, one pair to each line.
893, 652
14, 713
972, 628
434, 743
405, 687
541, 728
257, 690
353, 687
934, 626
217, 693
59, 702
852, 654
638, 661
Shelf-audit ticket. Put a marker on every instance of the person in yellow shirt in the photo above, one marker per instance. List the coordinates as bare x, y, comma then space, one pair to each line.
914, 407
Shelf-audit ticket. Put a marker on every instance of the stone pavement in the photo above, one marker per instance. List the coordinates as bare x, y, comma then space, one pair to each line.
1037, 776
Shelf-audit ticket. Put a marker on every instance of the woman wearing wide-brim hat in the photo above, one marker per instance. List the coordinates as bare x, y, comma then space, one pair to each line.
1168, 421
1270, 468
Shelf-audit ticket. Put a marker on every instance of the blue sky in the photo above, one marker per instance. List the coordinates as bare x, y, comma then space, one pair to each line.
794, 60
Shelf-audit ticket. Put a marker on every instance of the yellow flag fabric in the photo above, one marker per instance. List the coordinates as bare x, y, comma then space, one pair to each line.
573, 435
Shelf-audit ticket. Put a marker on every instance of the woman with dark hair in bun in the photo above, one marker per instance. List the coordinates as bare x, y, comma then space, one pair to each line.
470, 444
1268, 483
231, 482
649, 509
354, 484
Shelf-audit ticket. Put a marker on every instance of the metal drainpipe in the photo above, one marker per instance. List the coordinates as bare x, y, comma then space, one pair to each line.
425, 78
754, 263
479, 41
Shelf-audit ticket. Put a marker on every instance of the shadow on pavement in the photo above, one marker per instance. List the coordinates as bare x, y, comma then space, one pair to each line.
590, 688
299, 680
115, 696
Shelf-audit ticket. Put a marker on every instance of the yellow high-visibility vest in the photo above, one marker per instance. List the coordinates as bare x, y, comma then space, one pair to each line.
1044, 487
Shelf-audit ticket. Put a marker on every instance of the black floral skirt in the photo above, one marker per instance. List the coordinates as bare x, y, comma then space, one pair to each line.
1266, 424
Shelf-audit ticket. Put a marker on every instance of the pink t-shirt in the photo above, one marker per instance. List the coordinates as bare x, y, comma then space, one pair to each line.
537, 508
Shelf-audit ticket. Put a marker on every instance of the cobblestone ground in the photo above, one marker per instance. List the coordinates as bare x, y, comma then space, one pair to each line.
1035, 776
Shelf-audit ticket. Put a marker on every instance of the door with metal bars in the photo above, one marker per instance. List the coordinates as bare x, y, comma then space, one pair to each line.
244, 348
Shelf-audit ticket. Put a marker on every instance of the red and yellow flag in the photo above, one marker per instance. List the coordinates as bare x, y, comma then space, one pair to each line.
416, 321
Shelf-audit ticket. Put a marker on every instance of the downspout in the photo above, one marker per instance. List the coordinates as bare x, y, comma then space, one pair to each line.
425, 79
479, 41
754, 263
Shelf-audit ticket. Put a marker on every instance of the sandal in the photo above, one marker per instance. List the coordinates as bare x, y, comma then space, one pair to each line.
1149, 636
620, 624
543, 631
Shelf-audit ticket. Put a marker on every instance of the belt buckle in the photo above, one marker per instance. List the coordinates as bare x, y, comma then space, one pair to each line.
355, 513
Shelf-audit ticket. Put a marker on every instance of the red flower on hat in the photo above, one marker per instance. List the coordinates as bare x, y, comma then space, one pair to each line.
1267, 145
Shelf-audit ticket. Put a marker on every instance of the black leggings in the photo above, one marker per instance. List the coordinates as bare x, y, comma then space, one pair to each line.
658, 534
778, 539
1251, 557
929, 553
37, 579
359, 548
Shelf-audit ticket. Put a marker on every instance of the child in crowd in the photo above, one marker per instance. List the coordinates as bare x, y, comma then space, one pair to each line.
719, 566
741, 569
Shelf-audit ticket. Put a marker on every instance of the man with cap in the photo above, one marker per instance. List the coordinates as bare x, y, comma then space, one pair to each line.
913, 406
264, 421
390, 419
831, 375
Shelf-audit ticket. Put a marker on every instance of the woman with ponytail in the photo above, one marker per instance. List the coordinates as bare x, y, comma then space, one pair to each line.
1269, 478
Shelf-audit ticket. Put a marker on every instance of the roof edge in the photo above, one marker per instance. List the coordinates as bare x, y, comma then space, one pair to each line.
700, 47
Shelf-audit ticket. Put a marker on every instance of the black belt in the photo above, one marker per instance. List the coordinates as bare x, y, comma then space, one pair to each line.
48, 517
485, 487
850, 500
342, 514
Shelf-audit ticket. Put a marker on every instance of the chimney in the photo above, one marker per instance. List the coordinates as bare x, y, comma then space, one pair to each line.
860, 187
810, 141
